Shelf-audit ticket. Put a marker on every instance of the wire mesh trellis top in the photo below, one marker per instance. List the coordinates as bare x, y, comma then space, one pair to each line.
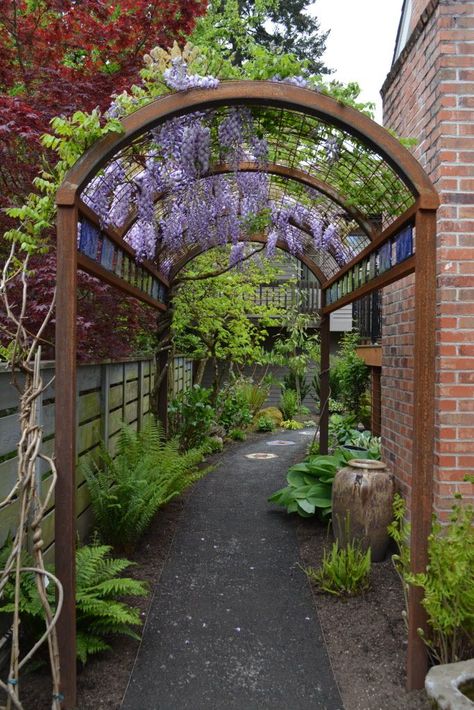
230, 173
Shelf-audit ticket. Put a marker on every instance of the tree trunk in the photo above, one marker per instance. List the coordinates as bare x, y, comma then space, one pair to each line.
200, 370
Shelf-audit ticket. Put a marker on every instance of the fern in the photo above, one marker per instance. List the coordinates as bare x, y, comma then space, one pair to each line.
99, 611
146, 473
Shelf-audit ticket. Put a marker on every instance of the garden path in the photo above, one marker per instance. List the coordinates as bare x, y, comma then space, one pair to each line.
232, 624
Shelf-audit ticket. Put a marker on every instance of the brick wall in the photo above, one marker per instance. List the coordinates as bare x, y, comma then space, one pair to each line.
429, 96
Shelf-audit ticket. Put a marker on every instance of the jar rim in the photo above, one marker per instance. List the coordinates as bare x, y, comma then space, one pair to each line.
367, 464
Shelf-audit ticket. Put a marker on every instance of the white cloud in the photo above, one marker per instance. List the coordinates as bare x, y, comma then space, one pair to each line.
361, 43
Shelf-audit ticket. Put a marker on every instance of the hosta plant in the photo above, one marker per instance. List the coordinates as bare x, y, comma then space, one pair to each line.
310, 485
99, 611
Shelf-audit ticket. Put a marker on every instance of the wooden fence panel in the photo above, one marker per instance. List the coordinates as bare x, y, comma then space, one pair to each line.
109, 394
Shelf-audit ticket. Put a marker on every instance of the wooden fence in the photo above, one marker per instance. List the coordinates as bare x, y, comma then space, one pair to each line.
108, 395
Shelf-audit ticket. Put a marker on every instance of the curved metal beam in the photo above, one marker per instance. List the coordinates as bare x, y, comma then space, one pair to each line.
291, 174
263, 93
258, 239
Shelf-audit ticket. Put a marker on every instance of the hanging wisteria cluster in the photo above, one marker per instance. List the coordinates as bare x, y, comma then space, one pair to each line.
198, 208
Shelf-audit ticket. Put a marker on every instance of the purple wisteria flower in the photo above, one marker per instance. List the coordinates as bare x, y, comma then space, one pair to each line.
177, 77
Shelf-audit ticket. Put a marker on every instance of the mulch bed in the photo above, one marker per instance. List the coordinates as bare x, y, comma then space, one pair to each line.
365, 635
101, 684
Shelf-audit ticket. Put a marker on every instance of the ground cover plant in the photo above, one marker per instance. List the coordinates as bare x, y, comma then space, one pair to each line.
100, 613
447, 583
127, 490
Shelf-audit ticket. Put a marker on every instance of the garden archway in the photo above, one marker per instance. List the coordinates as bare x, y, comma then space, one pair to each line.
366, 174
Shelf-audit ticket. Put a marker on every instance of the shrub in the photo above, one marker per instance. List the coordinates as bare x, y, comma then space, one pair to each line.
310, 485
351, 373
447, 583
99, 613
265, 423
233, 410
289, 403
344, 571
126, 491
191, 415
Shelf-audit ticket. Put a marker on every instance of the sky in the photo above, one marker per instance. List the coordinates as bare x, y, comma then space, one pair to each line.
361, 43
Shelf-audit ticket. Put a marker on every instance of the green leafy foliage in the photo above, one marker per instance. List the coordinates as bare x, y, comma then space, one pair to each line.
265, 424
126, 491
99, 611
291, 424
341, 428
212, 445
232, 408
343, 433
352, 375
447, 583
291, 382
288, 403
215, 315
345, 571
191, 415
296, 347
365, 440
246, 30
70, 139
254, 394
310, 485
237, 435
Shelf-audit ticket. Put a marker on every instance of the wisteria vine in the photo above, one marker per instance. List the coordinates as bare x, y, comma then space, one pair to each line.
199, 208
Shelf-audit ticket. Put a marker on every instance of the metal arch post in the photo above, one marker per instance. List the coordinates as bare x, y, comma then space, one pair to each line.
324, 390
424, 432
65, 445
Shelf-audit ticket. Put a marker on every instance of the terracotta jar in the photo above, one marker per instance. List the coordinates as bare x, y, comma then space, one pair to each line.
362, 498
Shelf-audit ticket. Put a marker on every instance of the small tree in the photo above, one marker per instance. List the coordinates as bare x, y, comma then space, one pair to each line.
296, 347
352, 374
216, 315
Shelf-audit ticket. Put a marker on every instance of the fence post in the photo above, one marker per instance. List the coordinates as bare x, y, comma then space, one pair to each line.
105, 402
140, 395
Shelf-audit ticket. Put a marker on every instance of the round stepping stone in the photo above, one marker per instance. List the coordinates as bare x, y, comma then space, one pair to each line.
261, 456
280, 442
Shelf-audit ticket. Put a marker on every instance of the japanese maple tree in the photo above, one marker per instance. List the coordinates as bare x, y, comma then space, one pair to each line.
57, 56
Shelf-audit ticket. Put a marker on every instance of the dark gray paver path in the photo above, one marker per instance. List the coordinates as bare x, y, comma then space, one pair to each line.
232, 625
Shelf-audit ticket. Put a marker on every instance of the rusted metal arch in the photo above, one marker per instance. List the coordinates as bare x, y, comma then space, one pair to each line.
292, 174
231, 93
256, 239
283, 96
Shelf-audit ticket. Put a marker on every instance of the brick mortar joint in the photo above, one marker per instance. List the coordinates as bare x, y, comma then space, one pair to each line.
426, 16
